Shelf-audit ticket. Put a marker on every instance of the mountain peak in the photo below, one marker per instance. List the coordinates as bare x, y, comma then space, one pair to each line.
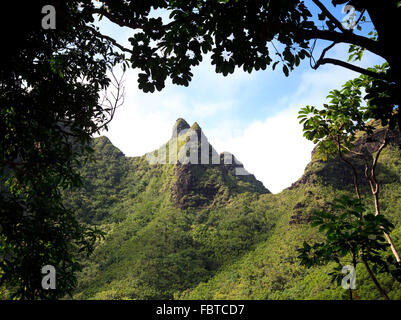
180, 125
196, 127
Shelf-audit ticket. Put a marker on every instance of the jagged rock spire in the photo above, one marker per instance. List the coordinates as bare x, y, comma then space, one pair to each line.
179, 126
196, 127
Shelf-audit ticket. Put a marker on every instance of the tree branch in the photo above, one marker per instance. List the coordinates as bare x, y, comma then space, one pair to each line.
330, 16
114, 42
308, 34
117, 100
373, 170
374, 279
351, 67
321, 56
360, 17
339, 37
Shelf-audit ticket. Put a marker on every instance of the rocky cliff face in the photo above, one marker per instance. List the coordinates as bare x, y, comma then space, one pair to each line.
179, 126
210, 177
336, 172
198, 176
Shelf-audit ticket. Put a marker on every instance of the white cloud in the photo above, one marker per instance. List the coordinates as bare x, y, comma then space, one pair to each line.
274, 149
145, 120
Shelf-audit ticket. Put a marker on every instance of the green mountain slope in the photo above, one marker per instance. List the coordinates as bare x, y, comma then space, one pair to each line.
201, 231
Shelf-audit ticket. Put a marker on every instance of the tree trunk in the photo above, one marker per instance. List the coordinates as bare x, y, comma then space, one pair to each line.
374, 279
386, 18
390, 242
375, 188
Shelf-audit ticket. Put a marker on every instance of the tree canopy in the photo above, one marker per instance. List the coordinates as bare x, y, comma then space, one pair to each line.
255, 34
241, 34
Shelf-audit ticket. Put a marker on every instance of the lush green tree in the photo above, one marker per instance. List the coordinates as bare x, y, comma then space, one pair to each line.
334, 128
350, 231
50, 82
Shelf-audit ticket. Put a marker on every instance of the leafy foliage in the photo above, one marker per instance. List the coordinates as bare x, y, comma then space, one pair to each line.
49, 108
334, 127
349, 230
237, 34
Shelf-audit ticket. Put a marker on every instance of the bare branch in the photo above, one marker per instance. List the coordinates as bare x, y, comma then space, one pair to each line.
321, 56
118, 98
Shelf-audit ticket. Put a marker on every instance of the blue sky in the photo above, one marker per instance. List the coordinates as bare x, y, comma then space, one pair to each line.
251, 115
